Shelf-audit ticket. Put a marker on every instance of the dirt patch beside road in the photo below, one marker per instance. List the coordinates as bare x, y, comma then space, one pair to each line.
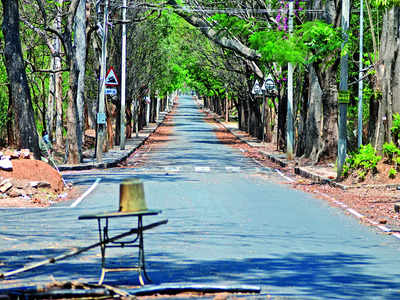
32, 183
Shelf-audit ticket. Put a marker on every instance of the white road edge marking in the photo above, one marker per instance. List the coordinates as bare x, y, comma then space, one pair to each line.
284, 176
355, 213
202, 169
80, 199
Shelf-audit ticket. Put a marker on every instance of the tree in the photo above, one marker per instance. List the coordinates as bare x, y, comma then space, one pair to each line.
19, 89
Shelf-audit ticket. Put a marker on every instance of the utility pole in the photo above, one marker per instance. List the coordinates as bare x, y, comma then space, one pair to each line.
289, 115
360, 76
344, 96
101, 116
226, 104
123, 78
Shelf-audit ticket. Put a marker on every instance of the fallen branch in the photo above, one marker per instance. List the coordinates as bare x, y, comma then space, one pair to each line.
79, 250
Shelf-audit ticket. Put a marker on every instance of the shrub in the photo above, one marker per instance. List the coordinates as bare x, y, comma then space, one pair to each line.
391, 151
363, 162
392, 173
396, 127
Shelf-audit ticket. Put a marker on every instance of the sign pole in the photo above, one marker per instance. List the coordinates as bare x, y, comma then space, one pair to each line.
101, 116
123, 78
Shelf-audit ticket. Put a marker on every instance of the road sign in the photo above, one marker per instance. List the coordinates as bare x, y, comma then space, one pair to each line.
256, 89
268, 85
111, 78
101, 118
110, 91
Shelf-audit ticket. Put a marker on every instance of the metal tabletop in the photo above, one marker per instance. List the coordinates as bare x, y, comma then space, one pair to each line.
118, 214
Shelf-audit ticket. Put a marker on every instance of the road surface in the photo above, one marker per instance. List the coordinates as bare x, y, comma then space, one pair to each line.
231, 221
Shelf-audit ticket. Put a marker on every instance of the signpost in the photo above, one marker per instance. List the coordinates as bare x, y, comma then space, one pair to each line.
256, 89
268, 88
111, 78
110, 91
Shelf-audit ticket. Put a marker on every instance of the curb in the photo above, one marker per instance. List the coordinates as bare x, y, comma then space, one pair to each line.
282, 162
124, 154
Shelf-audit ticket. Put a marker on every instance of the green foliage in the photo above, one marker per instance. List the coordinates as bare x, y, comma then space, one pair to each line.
396, 126
391, 151
392, 173
275, 47
386, 3
3, 98
235, 25
363, 162
319, 39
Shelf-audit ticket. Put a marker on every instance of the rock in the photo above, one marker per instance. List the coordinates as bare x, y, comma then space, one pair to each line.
25, 154
15, 154
5, 164
40, 184
12, 153
4, 181
15, 192
5, 187
397, 207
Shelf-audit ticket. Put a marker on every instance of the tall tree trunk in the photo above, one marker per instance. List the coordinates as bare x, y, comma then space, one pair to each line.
281, 130
54, 115
74, 135
313, 118
80, 56
388, 76
10, 120
20, 94
59, 105
327, 149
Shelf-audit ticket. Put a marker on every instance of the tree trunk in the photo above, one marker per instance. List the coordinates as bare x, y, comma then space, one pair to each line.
312, 116
80, 56
281, 130
20, 93
10, 120
388, 77
74, 153
327, 149
74, 135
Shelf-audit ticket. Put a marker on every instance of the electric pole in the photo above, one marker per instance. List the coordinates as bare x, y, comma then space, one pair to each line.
360, 77
344, 96
123, 78
289, 115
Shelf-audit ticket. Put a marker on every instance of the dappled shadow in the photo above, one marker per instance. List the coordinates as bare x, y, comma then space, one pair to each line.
333, 276
216, 142
121, 176
329, 276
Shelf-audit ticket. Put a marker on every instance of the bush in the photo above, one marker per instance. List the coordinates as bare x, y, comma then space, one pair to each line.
363, 162
396, 127
391, 151
392, 173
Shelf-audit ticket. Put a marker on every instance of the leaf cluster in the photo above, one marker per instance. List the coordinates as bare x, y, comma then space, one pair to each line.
363, 161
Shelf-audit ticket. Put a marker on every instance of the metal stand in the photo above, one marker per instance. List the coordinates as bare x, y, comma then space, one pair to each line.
105, 241
137, 242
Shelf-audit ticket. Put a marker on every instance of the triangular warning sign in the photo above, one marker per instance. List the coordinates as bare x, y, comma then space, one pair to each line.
111, 78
